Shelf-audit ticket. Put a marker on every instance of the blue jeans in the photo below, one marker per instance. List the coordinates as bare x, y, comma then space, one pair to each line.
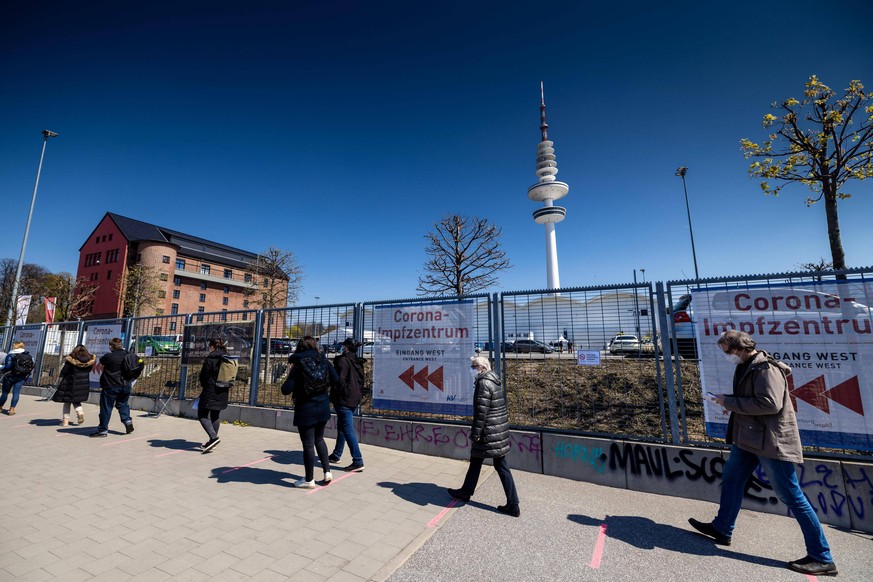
345, 431
114, 396
13, 383
783, 477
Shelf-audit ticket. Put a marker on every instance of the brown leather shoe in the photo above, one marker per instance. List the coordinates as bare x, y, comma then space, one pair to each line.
11, 412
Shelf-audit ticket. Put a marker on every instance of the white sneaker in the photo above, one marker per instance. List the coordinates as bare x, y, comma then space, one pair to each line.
328, 477
304, 484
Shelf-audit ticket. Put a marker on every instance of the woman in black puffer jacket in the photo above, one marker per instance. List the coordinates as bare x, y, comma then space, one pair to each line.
74, 383
489, 435
212, 398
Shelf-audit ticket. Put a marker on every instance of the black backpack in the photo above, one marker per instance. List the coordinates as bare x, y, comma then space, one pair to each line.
22, 364
131, 366
316, 375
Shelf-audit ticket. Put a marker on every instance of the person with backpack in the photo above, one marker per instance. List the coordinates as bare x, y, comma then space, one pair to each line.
74, 383
762, 429
17, 366
346, 396
213, 393
115, 388
309, 382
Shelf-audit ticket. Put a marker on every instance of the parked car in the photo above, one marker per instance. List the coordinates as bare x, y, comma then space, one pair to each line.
159, 344
527, 346
682, 313
624, 343
334, 348
278, 345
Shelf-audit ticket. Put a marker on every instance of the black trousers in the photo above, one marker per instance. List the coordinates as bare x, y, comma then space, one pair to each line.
502, 468
312, 438
209, 421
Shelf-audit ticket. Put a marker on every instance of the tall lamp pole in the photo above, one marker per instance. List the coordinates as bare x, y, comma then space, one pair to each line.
681, 172
13, 301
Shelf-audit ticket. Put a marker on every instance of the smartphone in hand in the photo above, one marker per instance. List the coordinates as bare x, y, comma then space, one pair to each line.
710, 395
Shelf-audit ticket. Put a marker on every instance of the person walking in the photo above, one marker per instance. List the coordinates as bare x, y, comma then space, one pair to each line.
763, 429
489, 434
309, 382
115, 390
346, 396
212, 399
17, 366
74, 383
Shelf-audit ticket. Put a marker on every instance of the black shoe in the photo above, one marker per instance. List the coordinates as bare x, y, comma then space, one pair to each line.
333, 458
708, 530
209, 445
98, 434
510, 509
129, 427
458, 494
356, 467
813, 568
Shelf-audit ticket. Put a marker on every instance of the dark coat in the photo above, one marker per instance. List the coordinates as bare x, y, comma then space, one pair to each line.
348, 390
74, 384
212, 398
308, 410
111, 362
490, 430
762, 417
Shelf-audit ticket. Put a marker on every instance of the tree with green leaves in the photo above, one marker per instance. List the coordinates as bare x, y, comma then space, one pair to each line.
821, 141
464, 256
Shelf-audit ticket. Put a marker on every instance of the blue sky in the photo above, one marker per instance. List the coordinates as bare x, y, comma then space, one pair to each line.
343, 130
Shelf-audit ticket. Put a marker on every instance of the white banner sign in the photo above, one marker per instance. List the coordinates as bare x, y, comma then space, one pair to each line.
22, 309
31, 337
421, 358
97, 338
588, 358
823, 330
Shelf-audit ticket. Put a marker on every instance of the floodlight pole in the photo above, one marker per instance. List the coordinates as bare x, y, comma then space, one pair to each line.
13, 300
681, 172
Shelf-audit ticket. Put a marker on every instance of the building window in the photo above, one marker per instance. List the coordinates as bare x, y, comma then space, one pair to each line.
224, 300
245, 316
226, 289
246, 303
109, 274
162, 294
158, 312
110, 236
164, 277
176, 293
204, 269
180, 264
172, 326
177, 280
228, 274
224, 315
203, 286
97, 240
203, 298
165, 259
199, 317
174, 308
247, 277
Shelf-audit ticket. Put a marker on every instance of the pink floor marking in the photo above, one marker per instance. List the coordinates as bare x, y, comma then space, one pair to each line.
23, 425
148, 436
439, 516
173, 453
317, 489
31, 414
598, 547
811, 578
247, 465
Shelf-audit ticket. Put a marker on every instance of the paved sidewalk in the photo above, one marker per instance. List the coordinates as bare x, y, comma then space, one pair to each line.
148, 506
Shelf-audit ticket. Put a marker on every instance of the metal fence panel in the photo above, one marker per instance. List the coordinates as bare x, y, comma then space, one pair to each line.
543, 332
159, 340
60, 339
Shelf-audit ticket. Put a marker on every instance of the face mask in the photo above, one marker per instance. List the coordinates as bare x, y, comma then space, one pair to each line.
733, 359
474, 373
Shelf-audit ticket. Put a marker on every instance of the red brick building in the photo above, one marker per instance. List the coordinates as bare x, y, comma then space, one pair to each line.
200, 275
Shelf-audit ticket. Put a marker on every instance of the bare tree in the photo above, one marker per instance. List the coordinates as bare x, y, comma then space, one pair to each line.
74, 296
140, 289
464, 256
31, 283
275, 281
817, 267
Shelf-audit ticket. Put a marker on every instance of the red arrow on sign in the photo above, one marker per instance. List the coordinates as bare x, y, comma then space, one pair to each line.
406, 376
848, 394
410, 377
421, 377
812, 393
436, 378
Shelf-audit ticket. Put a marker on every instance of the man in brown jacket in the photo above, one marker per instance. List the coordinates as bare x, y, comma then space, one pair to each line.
763, 429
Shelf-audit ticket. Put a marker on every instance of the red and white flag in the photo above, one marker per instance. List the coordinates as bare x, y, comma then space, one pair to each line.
50, 309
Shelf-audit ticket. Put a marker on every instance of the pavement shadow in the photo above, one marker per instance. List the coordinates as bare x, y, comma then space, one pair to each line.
419, 493
83, 430
45, 422
643, 533
290, 458
254, 475
174, 444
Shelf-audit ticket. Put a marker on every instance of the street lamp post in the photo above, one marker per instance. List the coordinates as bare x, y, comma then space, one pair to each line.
681, 172
13, 301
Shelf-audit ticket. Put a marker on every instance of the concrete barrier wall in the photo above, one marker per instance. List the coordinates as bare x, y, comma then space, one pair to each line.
841, 492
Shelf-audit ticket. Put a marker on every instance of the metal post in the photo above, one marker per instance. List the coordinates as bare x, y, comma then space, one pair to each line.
13, 300
681, 172
183, 372
669, 360
256, 357
497, 334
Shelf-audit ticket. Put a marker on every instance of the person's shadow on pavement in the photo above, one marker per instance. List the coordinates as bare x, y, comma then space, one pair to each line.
419, 493
45, 422
175, 444
290, 458
254, 475
643, 533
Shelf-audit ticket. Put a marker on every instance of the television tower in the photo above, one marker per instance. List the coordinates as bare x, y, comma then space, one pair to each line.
547, 190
